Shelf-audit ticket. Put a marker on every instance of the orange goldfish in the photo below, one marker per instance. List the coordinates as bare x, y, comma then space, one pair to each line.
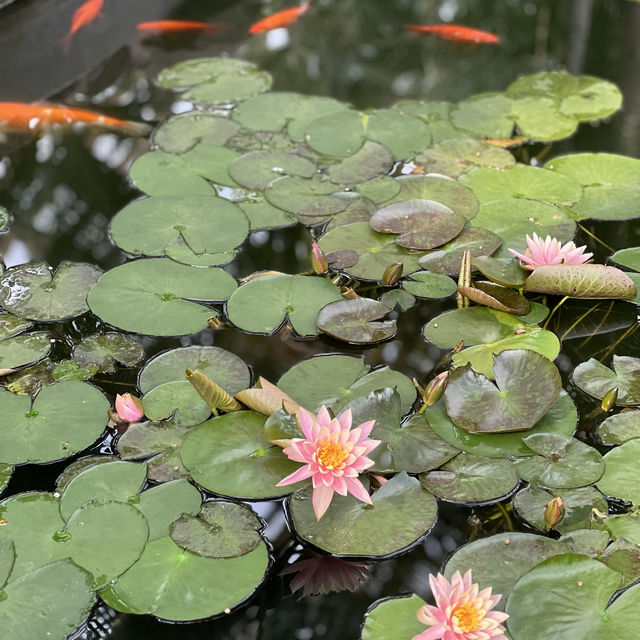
180, 26
83, 15
455, 33
20, 117
280, 19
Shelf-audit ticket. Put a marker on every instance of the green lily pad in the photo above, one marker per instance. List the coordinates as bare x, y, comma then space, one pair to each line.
63, 419
379, 190
256, 169
76, 467
448, 257
619, 428
183, 131
486, 115
263, 215
487, 332
537, 313
264, 303
178, 401
200, 70
355, 320
530, 503
588, 542
101, 352
206, 224
620, 479
174, 584
45, 296
230, 87
425, 284
435, 114
563, 462
629, 258
67, 370
221, 530
335, 380
624, 525
48, 617
393, 619
472, 479
371, 161
527, 386
12, 325
402, 513
519, 552
339, 134
229, 456
538, 118
596, 379
399, 298
402, 133
497, 297
453, 157
7, 558
504, 271
5, 217
624, 557
23, 350
610, 182
561, 418
153, 296
420, 224
6, 470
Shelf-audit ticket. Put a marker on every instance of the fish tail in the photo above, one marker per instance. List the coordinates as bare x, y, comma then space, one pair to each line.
137, 129
66, 42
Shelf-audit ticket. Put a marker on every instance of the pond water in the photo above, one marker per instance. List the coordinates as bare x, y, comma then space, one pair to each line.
64, 186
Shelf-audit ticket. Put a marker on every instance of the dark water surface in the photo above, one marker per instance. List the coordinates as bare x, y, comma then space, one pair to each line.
63, 187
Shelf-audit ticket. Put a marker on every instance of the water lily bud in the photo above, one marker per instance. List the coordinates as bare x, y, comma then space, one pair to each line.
609, 400
318, 259
215, 323
434, 390
348, 293
392, 273
129, 407
554, 512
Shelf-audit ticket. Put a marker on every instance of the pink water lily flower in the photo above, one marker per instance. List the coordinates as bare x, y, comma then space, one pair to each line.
129, 408
550, 251
334, 456
461, 612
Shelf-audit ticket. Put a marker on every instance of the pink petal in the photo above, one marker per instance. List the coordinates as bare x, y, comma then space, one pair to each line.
323, 417
293, 452
435, 633
356, 489
305, 422
300, 474
321, 499
345, 419
339, 485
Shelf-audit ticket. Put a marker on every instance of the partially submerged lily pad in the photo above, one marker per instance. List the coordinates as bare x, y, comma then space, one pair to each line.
619, 428
597, 380
101, 352
620, 479
19, 351
256, 169
355, 320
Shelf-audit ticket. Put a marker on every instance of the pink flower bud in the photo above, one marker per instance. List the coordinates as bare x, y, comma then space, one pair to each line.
129, 408
554, 512
392, 274
318, 259
435, 389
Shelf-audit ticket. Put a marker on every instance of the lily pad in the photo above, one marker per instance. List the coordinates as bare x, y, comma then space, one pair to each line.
154, 296
32, 291
379, 190
562, 463
264, 303
353, 528
371, 161
486, 115
619, 428
23, 350
230, 87
6, 470
435, 114
354, 320
629, 258
229, 456
339, 134
624, 525
393, 619
425, 284
620, 479
76, 467
497, 297
101, 352
399, 298
596, 379
623, 556
263, 215
256, 169
63, 419
200, 70
472, 479
504, 271
178, 401
7, 558
527, 386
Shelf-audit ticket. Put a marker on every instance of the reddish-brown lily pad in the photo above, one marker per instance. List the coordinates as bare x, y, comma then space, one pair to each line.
354, 320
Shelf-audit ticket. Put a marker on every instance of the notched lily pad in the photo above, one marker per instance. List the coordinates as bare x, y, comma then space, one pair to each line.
425, 284
597, 380
619, 428
393, 619
371, 161
255, 170
19, 351
354, 320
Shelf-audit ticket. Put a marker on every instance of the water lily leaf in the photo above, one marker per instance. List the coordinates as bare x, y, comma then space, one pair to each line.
200, 70
393, 619
624, 557
619, 428
263, 215
177, 400
335, 380
400, 298
77, 466
105, 539
379, 190
264, 303
221, 530
527, 386
504, 271
425, 284
183, 131
230, 87
624, 525
442, 189
7, 558
563, 463
214, 395
596, 379
118, 481
32, 291
360, 209
497, 297
588, 542
51, 618
435, 114
421, 224
230, 456
487, 332
101, 352
561, 418
371, 161
530, 503
520, 552
339, 134
620, 479
538, 118
448, 257
63, 419
610, 182
537, 313
486, 115
629, 258
69, 370
5, 217
352, 528
354, 320
20, 351
206, 224
281, 427
582, 281
12, 325
453, 157
402, 133
6, 470
153, 296
472, 479
256, 169
375, 251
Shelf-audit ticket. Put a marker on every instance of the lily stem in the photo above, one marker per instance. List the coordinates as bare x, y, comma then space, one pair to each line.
595, 237
506, 515
544, 326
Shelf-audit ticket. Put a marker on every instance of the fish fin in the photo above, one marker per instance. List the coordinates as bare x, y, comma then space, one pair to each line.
136, 128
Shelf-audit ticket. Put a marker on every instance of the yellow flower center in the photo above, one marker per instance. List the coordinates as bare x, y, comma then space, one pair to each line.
467, 617
331, 455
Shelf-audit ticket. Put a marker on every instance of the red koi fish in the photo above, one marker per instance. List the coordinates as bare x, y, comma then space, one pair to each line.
22, 117
280, 19
455, 33
180, 26
83, 15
